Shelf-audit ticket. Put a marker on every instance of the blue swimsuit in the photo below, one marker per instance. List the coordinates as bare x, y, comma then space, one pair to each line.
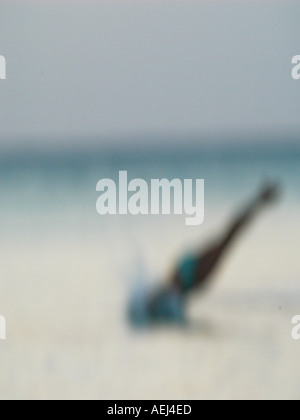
163, 305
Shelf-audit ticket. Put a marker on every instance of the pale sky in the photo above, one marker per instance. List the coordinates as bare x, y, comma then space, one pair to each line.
123, 70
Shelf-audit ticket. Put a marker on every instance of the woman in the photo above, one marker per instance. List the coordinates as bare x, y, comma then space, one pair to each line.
167, 304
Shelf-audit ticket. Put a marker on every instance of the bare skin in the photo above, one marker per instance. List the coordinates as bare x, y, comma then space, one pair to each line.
209, 260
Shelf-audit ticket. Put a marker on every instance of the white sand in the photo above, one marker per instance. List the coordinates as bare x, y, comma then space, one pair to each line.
63, 294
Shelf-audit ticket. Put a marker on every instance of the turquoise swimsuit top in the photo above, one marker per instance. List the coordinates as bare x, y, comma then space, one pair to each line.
187, 272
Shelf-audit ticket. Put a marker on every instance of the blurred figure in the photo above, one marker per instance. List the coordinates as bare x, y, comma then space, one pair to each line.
167, 303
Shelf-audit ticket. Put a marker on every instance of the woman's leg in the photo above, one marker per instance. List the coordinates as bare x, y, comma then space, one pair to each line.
206, 262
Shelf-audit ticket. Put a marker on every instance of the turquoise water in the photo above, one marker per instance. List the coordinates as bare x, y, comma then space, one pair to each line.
32, 184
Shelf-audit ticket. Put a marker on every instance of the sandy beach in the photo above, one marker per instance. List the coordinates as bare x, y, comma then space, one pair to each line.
65, 291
